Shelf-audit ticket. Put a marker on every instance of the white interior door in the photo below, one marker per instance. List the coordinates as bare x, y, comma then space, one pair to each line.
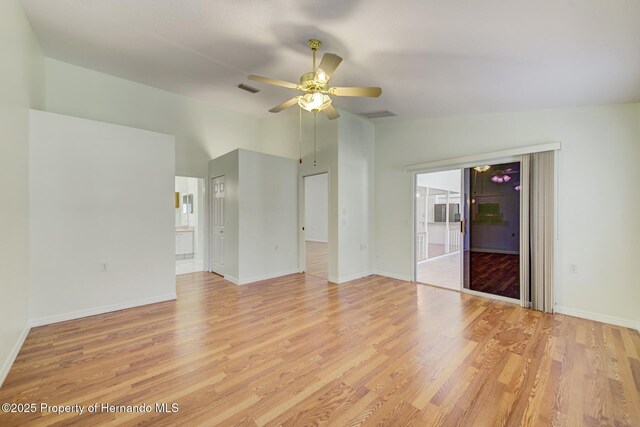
217, 221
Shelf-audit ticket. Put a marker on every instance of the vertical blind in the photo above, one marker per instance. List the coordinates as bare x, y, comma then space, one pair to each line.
537, 230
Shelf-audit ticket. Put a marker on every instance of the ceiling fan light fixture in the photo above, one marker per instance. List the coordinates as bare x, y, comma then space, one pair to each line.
322, 77
314, 102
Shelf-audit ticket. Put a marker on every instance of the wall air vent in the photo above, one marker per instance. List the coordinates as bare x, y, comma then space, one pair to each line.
248, 88
378, 114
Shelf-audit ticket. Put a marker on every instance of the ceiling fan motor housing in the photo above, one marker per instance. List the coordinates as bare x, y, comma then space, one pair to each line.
309, 84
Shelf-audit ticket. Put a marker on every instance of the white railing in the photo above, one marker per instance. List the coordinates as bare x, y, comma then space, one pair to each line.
455, 237
421, 246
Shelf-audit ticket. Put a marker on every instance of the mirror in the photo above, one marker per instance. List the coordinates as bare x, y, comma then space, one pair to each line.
187, 203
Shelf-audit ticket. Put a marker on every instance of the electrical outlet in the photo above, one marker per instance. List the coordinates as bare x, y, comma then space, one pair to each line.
276, 247
573, 268
104, 267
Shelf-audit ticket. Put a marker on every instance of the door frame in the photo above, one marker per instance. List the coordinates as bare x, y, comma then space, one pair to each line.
210, 222
447, 165
302, 247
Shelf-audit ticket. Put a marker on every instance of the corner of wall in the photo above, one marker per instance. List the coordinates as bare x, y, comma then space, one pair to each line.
21, 88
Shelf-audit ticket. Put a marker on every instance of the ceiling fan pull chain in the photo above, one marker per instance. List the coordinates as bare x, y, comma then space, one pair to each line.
315, 138
300, 124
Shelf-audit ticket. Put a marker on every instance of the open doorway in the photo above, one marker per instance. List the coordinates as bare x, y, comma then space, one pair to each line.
189, 222
316, 224
437, 228
492, 238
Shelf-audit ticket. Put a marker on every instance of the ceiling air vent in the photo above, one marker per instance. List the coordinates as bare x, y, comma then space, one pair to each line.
378, 114
248, 88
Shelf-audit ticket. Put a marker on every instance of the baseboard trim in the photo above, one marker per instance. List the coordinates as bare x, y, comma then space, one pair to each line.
56, 318
231, 279
494, 251
589, 315
262, 277
318, 241
393, 275
351, 277
8, 363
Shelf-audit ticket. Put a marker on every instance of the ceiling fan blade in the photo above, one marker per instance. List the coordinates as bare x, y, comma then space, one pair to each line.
274, 82
357, 91
284, 105
327, 66
331, 112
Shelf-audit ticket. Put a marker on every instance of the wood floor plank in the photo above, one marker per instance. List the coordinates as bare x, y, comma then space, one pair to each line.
317, 259
298, 350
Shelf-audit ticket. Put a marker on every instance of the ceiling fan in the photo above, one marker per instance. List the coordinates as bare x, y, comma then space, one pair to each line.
315, 85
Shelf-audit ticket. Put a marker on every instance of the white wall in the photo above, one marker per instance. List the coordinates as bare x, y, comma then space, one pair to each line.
446, 180
316, 208
98, 193
595, 141
268, 211
260, 211
202, 130
280, 135
345, 149
356, 193
21, 87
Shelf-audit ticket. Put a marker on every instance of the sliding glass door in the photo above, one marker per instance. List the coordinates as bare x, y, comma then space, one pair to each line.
437, 228
491, 242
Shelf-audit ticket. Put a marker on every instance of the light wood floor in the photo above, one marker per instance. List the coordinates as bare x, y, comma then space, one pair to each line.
300, 351
318, 259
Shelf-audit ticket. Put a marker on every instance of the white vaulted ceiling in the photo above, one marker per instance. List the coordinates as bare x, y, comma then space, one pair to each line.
431, 57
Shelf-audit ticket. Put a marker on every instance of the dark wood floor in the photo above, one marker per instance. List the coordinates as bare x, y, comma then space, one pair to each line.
300, 351
497, 274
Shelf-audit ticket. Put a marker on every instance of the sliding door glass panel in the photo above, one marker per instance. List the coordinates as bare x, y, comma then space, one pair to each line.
466, 237
492, 243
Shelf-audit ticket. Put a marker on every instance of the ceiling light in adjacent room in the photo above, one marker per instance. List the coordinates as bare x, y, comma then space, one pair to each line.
500, 178
482, 168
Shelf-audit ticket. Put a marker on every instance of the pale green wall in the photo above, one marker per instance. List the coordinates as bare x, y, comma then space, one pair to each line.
598, 200
21, 87
203, 131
